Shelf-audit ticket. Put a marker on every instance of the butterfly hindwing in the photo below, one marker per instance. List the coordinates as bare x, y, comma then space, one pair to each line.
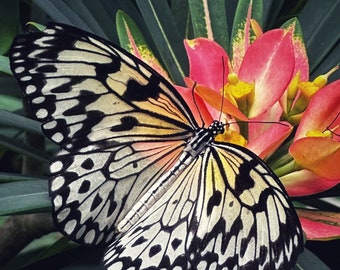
225, 211
119, 124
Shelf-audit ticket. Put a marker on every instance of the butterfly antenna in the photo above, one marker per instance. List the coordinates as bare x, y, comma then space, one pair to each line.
329, 127
194, 99
223, 83
259, 122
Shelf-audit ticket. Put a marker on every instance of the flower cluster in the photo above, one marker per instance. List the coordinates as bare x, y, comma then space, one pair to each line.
266, 85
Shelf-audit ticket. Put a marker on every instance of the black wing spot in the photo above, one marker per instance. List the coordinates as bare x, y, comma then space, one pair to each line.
214, 200
175, 243
96, 202
112, 207
243, 180
139, 241
47, 69
154, 250
127, 123
84, 187
87, 164
137, 92
103, 69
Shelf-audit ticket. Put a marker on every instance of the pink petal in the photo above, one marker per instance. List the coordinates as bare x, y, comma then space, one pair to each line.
321, 111
209, 63
269, 62
320, 225
304, 182
270, 139
300, 54
261, 123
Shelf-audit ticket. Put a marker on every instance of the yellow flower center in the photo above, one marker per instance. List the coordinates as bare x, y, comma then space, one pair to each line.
240, 93
231, 136
327, 133
305, 90
317, 133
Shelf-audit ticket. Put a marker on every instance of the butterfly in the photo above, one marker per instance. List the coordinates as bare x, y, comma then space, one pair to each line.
135, 172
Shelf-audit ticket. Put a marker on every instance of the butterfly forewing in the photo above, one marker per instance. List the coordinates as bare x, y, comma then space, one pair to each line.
134, 169
119, 124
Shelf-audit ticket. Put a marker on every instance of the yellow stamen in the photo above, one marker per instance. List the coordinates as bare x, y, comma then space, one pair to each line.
231, 136
307, 90
292, 91
239, 92
317, 133
321, 80
293, 86
255, 26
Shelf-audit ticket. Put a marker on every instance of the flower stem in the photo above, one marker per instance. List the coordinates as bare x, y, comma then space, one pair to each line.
289, 167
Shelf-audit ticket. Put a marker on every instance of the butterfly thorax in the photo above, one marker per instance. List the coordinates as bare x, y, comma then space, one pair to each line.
203, 136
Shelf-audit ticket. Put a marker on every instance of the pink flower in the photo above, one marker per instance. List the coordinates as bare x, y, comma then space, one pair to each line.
261, 79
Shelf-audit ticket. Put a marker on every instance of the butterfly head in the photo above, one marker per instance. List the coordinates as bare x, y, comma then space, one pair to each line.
216, 128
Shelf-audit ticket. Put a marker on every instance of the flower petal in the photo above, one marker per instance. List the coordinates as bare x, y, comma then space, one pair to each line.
209, 63
304, 183
319, 155
261, 123
215, 99
320, 225
269, 63
270, 139
203, 112
322, 110
300, 54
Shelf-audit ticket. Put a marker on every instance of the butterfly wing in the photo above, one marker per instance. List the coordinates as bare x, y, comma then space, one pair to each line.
119, 125
249, 218
227, 210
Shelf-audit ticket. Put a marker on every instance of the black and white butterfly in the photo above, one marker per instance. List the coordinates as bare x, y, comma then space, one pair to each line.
137, 173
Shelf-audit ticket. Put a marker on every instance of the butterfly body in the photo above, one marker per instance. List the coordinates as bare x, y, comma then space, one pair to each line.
135, 172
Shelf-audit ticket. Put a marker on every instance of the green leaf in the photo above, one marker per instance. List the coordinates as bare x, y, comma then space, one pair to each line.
9, 103
61, 12
24, 197
162, 26
8, 24
132, 40
38, 26
127, 29
209, 20
55, 247
242, 13
4, 65
20, 147
320, 23
180, 11
20, 122
308, 261
241, 35
12, 177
